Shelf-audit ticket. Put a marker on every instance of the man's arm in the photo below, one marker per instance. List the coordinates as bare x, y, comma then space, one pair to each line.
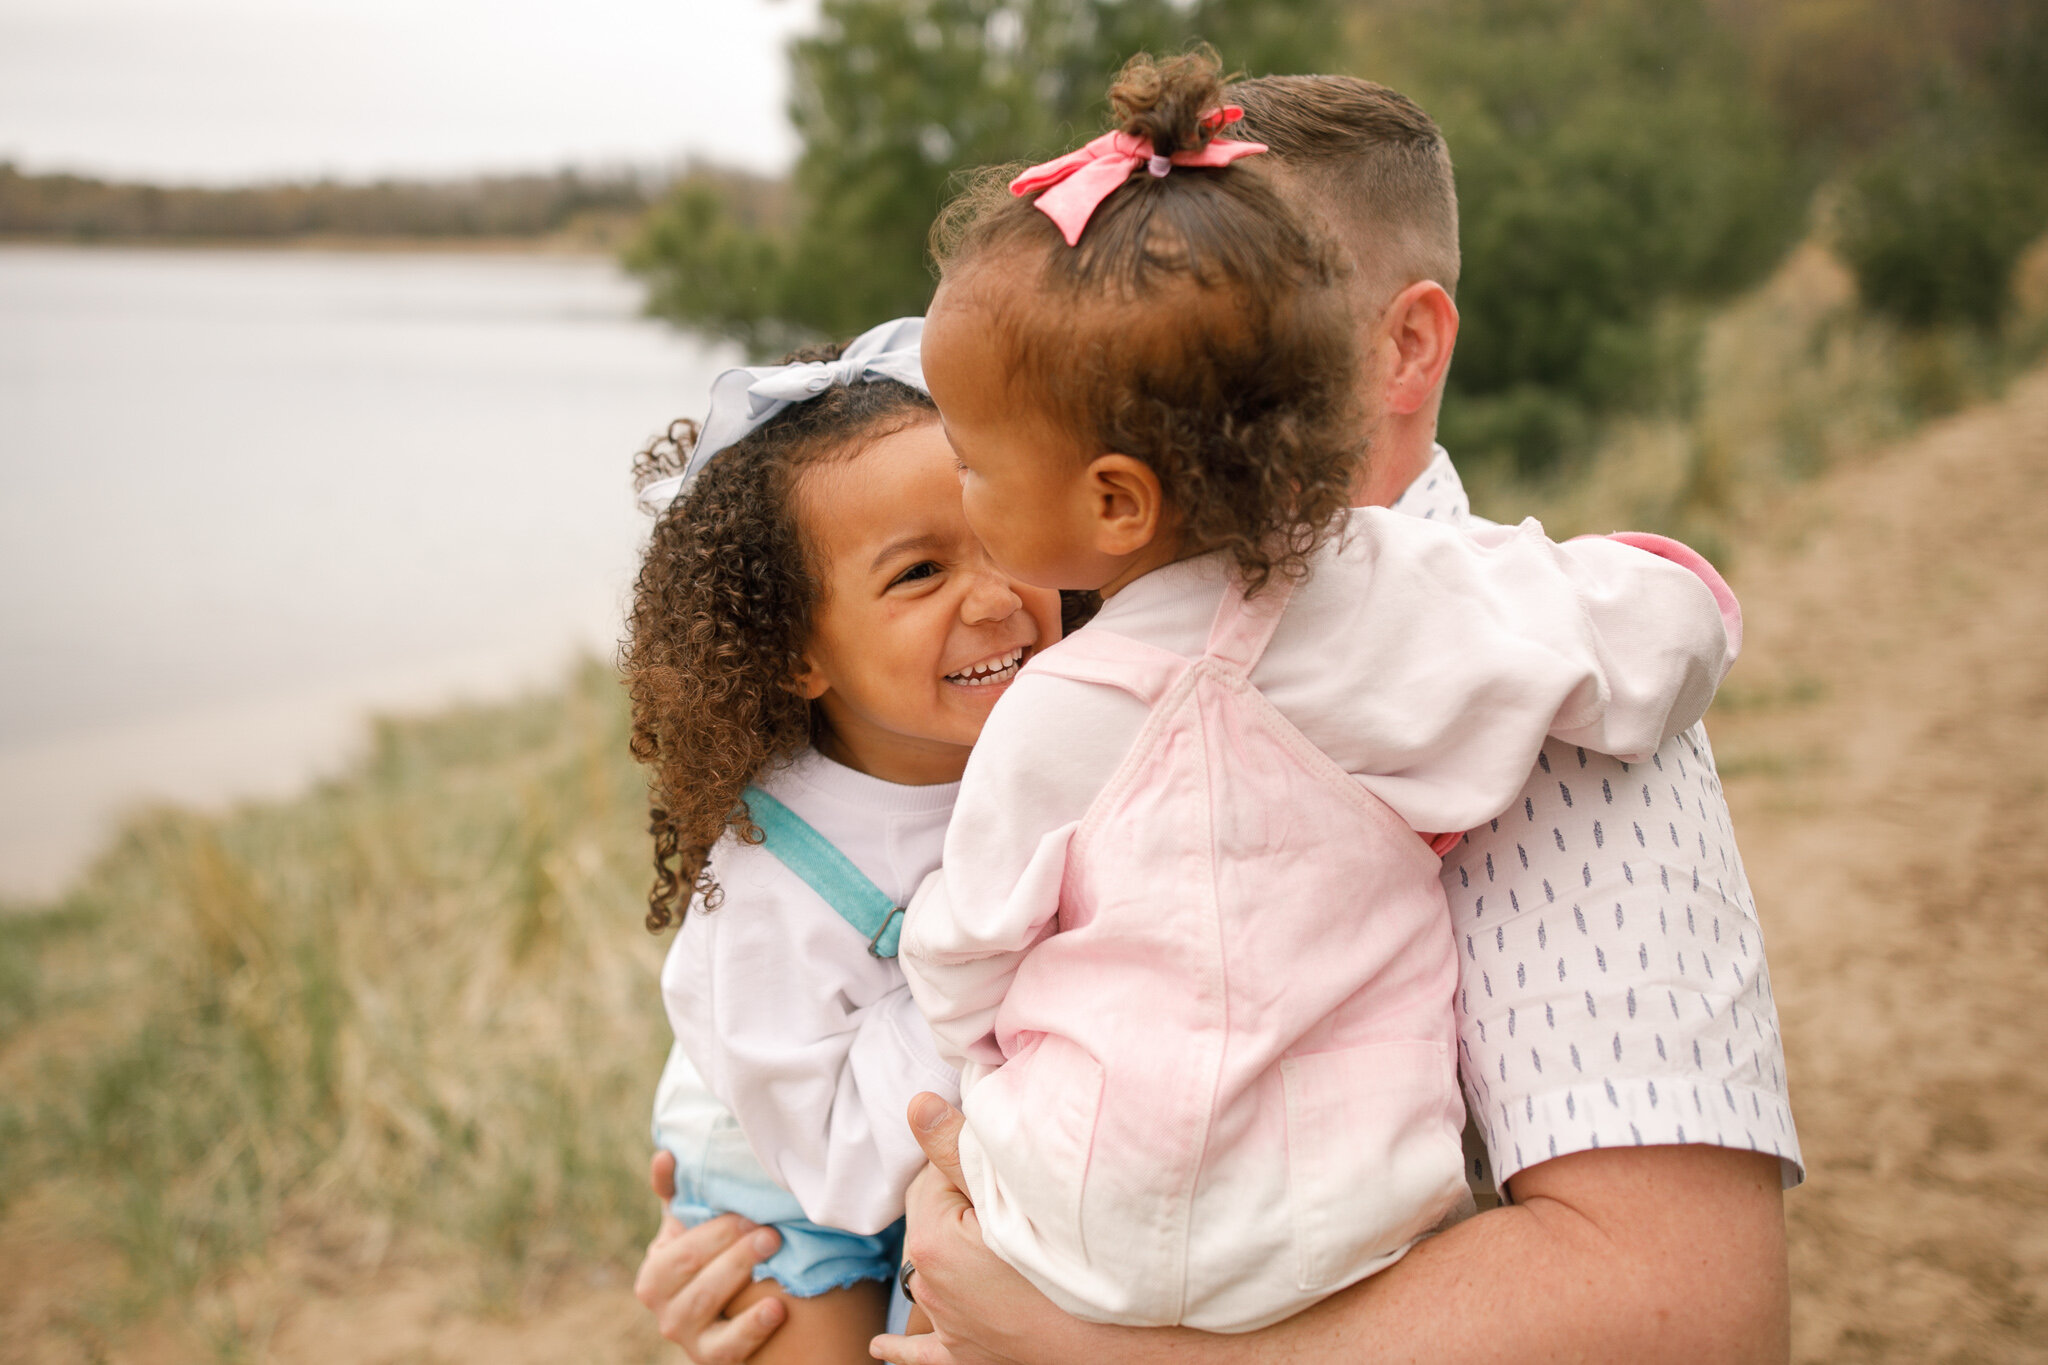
1627, 1255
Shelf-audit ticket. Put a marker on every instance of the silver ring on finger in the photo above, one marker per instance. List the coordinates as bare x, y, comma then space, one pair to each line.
903, 1279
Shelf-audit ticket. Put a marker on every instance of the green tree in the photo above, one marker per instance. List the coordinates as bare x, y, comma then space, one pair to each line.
891, 99
703, 265
1611, 155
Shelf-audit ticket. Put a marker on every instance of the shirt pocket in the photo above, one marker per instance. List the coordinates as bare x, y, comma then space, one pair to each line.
1373, 1155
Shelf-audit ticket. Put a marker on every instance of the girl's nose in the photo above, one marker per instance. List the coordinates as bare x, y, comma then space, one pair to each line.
989, 597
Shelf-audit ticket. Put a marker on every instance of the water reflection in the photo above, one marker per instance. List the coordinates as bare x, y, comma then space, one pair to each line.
245, 495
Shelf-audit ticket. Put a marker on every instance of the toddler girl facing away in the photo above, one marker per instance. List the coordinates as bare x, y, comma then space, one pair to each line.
1188, 942
816, 639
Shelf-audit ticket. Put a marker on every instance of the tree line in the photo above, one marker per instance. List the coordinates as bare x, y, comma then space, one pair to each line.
82, 208
1615, 159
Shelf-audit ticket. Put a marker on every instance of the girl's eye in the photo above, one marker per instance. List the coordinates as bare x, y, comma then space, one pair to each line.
923, 569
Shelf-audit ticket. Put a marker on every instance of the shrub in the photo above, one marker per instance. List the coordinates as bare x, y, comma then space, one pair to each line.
1933, 224
1612, 157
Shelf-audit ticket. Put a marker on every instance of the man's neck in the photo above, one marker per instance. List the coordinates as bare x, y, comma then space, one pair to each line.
1402, 447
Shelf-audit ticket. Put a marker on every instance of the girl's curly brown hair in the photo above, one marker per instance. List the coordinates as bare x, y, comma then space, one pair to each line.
1199, 326
721, 618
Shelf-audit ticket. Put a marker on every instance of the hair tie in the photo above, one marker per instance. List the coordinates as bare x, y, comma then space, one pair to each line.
744, 398
1075, 185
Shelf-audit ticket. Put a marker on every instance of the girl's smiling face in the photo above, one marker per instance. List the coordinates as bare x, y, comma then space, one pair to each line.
917, 632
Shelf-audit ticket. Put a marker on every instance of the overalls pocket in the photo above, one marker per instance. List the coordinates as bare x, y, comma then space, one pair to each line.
1373, 1155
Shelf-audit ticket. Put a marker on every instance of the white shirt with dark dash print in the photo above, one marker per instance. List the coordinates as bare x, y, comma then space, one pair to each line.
1612, 987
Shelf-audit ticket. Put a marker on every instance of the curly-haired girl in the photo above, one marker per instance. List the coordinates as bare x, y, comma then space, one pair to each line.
1188, 943
816, 638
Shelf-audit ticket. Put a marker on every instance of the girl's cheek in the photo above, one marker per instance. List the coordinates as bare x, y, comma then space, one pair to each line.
930, 637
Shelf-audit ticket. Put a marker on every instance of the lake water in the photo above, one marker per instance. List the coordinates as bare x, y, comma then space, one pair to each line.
247, 496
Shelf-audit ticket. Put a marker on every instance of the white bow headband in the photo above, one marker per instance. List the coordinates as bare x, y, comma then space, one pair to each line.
743, 399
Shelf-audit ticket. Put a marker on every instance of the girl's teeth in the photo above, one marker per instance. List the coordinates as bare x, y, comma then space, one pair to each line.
994, 670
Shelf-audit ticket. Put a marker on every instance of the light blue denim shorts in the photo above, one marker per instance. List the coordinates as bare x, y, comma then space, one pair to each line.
717, 1172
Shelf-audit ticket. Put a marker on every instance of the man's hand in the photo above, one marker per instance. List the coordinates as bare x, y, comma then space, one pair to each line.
953, 1265
691, 1274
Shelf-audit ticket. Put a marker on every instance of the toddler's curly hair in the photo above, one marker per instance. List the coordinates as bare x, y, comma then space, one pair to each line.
1199, 325
721, 618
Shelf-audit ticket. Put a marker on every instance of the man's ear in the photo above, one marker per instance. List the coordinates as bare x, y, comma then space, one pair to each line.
1420, 327
1125, 503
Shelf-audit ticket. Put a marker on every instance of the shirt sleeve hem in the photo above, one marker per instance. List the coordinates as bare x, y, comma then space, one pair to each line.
1596, 1113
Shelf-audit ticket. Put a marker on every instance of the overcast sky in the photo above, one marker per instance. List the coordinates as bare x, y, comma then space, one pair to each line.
229, 90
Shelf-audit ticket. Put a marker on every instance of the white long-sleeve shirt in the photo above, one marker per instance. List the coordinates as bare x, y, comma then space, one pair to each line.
1428, 662
813, 1043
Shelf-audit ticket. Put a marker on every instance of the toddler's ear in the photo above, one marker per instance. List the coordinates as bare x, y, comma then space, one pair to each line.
1125, 502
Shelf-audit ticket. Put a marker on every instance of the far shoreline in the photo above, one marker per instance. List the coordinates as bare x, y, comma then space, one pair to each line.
563, 245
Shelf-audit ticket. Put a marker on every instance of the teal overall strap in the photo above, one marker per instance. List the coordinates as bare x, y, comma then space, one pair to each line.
828, 872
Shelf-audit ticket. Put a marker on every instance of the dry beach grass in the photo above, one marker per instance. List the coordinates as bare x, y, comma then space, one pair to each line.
362, 1077
389, 1044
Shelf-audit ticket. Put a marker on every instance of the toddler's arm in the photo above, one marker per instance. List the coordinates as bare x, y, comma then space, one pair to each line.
1449, 659
1662, 664
959, 965
1048, 748
1470, 647
762, 993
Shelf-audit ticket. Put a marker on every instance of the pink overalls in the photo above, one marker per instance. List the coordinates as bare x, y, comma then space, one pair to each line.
1230, 1082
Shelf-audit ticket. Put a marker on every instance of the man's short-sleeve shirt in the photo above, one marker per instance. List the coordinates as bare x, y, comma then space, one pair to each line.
1612, 987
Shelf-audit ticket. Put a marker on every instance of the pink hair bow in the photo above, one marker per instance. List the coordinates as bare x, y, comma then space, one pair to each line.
1076, 184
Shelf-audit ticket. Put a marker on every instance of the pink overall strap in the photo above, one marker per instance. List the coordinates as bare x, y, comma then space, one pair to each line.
1094, 655
1244, 626
1243, 629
